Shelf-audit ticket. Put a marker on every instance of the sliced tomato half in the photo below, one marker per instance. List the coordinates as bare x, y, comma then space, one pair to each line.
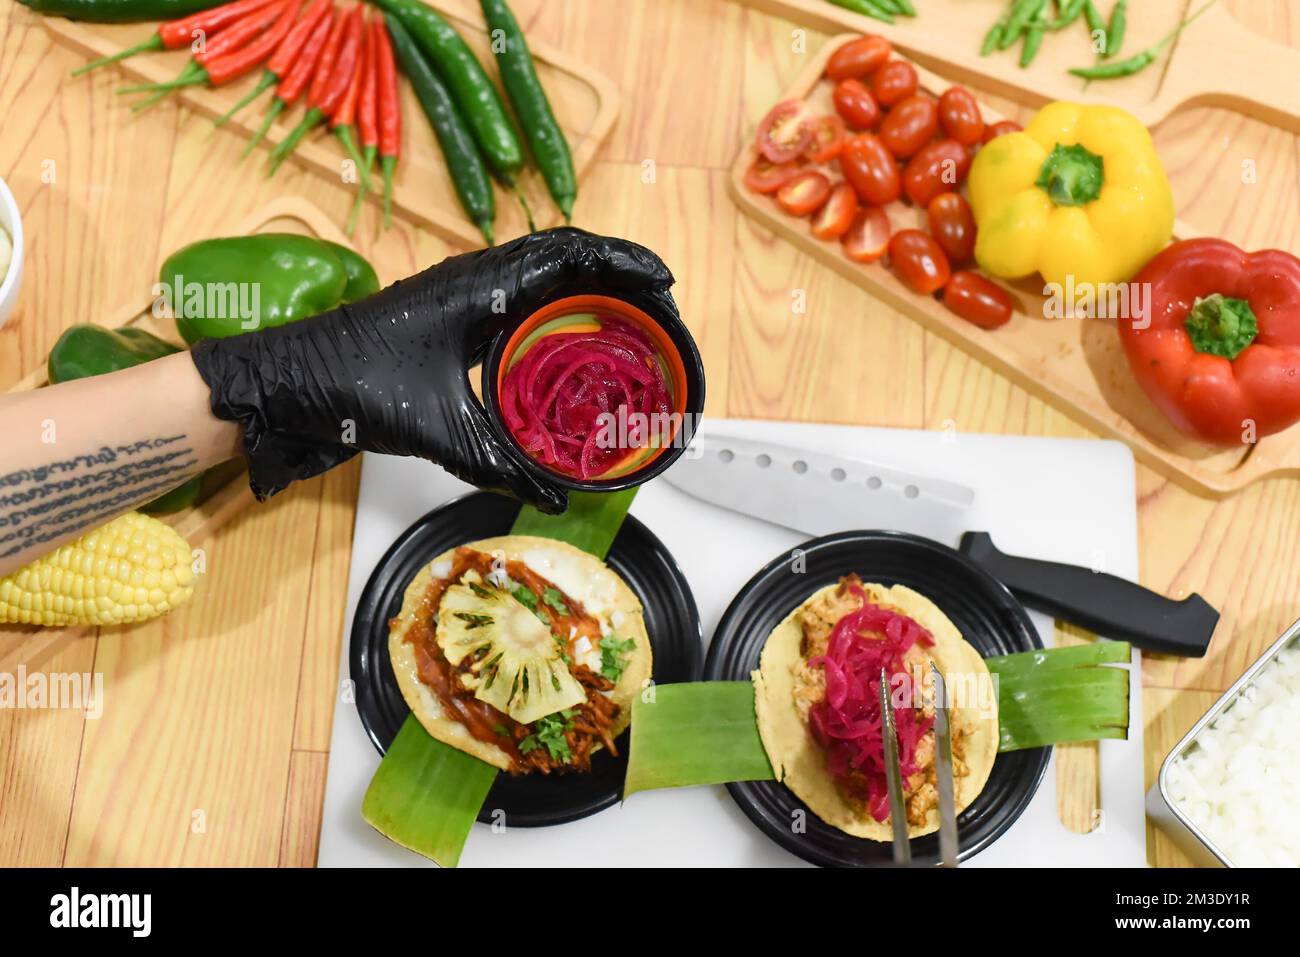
764, 176
784, 133
826, 139
868, 237
836, 216
804, 194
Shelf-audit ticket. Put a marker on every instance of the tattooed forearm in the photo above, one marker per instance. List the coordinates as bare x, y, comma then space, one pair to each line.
48, 501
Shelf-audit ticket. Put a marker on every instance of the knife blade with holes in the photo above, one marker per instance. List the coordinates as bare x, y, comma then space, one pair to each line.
817, 493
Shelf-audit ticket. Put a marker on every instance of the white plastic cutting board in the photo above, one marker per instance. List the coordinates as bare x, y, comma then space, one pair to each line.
1068, 500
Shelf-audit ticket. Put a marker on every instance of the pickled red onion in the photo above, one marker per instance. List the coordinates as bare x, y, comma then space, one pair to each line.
847, 722
552, 398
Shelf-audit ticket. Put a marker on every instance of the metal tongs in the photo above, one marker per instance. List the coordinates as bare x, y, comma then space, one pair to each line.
943, 767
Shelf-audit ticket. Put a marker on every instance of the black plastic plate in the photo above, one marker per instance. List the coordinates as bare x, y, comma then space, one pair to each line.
531, 800
987, 615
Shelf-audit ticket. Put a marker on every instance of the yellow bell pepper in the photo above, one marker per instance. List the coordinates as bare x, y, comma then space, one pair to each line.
1079, 193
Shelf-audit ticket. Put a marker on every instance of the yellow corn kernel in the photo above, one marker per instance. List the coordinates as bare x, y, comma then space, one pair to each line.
132, 569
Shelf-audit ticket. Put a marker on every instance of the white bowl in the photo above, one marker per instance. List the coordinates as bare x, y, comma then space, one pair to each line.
13, 279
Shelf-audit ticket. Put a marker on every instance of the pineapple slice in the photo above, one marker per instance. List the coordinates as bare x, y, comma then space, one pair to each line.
516, 664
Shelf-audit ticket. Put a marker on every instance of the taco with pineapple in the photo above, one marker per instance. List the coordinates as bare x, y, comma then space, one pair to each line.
524, 652
817, 698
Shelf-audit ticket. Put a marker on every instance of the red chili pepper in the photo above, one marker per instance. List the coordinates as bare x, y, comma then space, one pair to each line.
283, 57
223, 69
390, 116
1217, 347
295, 81
333, 74
178, 33
241, 33
324, 72
344, 117
233, 38
368, 108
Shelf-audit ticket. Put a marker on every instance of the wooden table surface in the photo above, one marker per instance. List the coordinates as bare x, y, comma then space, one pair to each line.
213, 743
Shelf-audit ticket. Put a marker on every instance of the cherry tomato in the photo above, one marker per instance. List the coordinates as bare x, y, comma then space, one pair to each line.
910, 125
868, 236
894, 82
827, 139
783, 135
952, 225
994, 130
854, 102
804, 193
977, 299
870, 169
764, 176
858, 58
919, 261
938, 167
959, 115
836, 216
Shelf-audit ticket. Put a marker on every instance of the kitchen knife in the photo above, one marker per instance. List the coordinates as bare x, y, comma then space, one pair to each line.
894, 776
817, 493
943, 771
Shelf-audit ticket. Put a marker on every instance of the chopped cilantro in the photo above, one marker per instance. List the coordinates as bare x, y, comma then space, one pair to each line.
553, 598
500, 730
612, 652
548, 732
529, 601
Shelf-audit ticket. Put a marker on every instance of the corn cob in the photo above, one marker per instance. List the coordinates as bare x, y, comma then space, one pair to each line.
132, 569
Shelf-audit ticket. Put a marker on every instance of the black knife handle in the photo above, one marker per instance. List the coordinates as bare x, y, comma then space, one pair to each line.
1110, 606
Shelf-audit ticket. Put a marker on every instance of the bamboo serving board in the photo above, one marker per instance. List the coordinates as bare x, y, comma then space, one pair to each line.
217, 505
1076, 364
1258, 79
585, 104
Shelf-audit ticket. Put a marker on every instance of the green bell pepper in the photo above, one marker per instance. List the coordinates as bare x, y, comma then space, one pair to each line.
88, 350
225, 287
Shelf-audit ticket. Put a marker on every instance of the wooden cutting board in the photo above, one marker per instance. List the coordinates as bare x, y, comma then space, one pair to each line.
217, 505
1076, 364
1258, 79
585, 104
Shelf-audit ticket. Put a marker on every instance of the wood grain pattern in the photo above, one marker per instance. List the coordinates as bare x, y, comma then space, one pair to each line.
695, 79
585, 104
1074, 362
1178, 78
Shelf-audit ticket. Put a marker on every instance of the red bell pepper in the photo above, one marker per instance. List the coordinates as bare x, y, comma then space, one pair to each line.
1218, 350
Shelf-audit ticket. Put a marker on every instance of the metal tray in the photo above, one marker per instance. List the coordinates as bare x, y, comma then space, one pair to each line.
1161, 808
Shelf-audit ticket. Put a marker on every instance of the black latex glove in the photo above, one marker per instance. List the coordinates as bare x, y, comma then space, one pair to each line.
396, 365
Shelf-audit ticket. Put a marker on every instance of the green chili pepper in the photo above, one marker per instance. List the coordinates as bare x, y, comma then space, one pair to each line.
519, 76
87, 350
905, 7
1034, 38
119, 11
993, 38
1023, 13
1139, 61
1069, 12
1116, 29
225, 287
866, 8
473, 93
464, 162
1096, 25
